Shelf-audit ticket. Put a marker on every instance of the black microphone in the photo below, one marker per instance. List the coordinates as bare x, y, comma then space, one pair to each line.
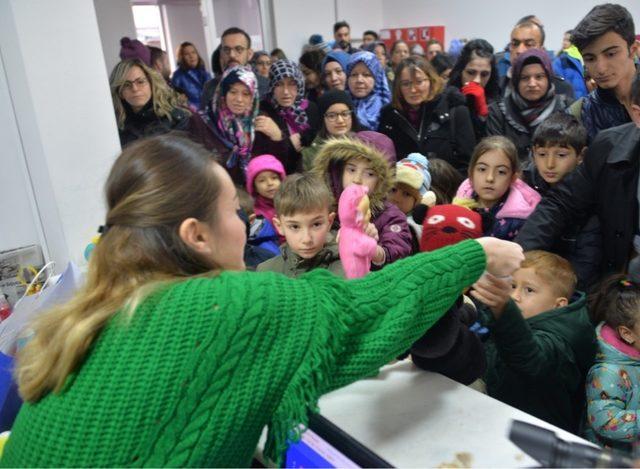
550, 451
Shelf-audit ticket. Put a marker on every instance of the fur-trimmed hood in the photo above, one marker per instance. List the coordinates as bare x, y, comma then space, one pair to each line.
330, 161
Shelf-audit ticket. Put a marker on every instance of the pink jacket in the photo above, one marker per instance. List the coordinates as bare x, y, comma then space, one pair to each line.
355, 247
520, 203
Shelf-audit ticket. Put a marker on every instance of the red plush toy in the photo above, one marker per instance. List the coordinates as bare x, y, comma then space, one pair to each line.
445, 225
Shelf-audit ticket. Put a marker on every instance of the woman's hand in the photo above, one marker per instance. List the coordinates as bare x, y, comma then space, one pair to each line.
267, 126
503, 257
476, 93
296, 141
493, 292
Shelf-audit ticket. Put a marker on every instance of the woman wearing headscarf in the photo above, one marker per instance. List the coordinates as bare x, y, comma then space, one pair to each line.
287, 120
231, 117
530, 99
191, 75
368, 87
426, 117
334, 70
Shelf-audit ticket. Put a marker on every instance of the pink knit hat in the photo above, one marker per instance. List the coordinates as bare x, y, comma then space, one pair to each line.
263, 163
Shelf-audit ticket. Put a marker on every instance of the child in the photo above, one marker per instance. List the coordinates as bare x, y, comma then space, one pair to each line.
366, 160
542, 341
494, 190
265, 173
559, 144
260, 231
411, 189
303, 217
612, 383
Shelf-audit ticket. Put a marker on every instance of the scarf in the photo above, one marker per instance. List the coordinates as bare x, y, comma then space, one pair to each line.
368, 108
532, 113
236, 132
295, 116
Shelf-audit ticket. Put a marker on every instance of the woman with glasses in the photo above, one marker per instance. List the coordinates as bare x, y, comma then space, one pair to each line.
426, 117
337, 119
191, 75
261, 62
334, 70
368, 87
145, 105
287, 120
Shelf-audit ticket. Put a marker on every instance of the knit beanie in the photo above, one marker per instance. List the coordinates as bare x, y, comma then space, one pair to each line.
332, 97
445, 225
263, 163
413, 172
134, 49
380, 142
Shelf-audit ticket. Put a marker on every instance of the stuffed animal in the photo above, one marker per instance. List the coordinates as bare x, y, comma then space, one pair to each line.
445, 225
356, 248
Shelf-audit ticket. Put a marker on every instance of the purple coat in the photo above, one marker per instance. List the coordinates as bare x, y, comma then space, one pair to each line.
394, 233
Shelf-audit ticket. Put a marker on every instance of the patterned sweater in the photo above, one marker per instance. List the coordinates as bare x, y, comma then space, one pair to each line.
193, 376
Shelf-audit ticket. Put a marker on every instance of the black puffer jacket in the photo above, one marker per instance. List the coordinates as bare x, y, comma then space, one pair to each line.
604, 185
445, 130
599, 110
146, 123
504, 120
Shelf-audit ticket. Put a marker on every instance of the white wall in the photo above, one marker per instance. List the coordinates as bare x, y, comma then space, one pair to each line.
493, 19
64, 117
115, 21
361, 15
183, 20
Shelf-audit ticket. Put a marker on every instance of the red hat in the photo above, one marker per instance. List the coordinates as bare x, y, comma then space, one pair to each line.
445, 225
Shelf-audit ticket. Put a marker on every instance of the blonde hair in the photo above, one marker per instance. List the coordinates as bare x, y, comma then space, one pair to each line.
301, 193
140, 251
165, 100
554, 270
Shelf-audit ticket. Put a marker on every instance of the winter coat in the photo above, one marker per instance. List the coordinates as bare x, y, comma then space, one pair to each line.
190, 82
599, 110
146, 123
292, 265
309, 153
613, 401
572, 71
445, 130
504, 120
505, 218
581, 245
538, 365
393, 230
284, 149
604, 185
450, 348
262, 234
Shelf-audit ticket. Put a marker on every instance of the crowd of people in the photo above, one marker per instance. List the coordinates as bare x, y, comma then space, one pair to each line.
521, 150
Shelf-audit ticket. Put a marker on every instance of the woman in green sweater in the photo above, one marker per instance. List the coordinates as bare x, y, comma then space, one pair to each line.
172, 355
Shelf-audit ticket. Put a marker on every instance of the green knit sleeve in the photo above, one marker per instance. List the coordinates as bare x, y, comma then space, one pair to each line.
359, 325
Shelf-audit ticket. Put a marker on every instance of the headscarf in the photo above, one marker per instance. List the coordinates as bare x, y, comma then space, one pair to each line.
236, 132
295, 116
339, 56
368, 108
532, 113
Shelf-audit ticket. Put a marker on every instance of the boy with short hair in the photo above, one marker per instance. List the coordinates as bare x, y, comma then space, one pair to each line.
606, 39
542, 343
559, 145
303, 217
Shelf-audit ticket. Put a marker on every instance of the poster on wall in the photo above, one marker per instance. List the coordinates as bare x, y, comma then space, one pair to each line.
414, 35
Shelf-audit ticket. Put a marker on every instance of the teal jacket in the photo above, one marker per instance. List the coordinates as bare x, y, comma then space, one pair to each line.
539, 365
613, 392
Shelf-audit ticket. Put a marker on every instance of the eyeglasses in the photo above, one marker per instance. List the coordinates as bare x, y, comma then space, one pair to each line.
417, 83
226, 50
139, 82
333, 116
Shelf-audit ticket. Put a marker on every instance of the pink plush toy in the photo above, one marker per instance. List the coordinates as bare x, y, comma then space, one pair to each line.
356, 248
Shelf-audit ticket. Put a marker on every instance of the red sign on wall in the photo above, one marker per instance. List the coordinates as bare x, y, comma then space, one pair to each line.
417, 35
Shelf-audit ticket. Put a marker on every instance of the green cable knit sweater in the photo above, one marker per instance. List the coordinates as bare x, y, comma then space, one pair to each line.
204, 364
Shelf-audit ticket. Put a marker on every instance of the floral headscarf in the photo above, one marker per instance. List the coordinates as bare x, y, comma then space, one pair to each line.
295, 116
368, 108
236, 132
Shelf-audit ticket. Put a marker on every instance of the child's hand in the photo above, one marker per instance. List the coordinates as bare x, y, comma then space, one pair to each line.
296, 142
493, 292
267, 126
371, 231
